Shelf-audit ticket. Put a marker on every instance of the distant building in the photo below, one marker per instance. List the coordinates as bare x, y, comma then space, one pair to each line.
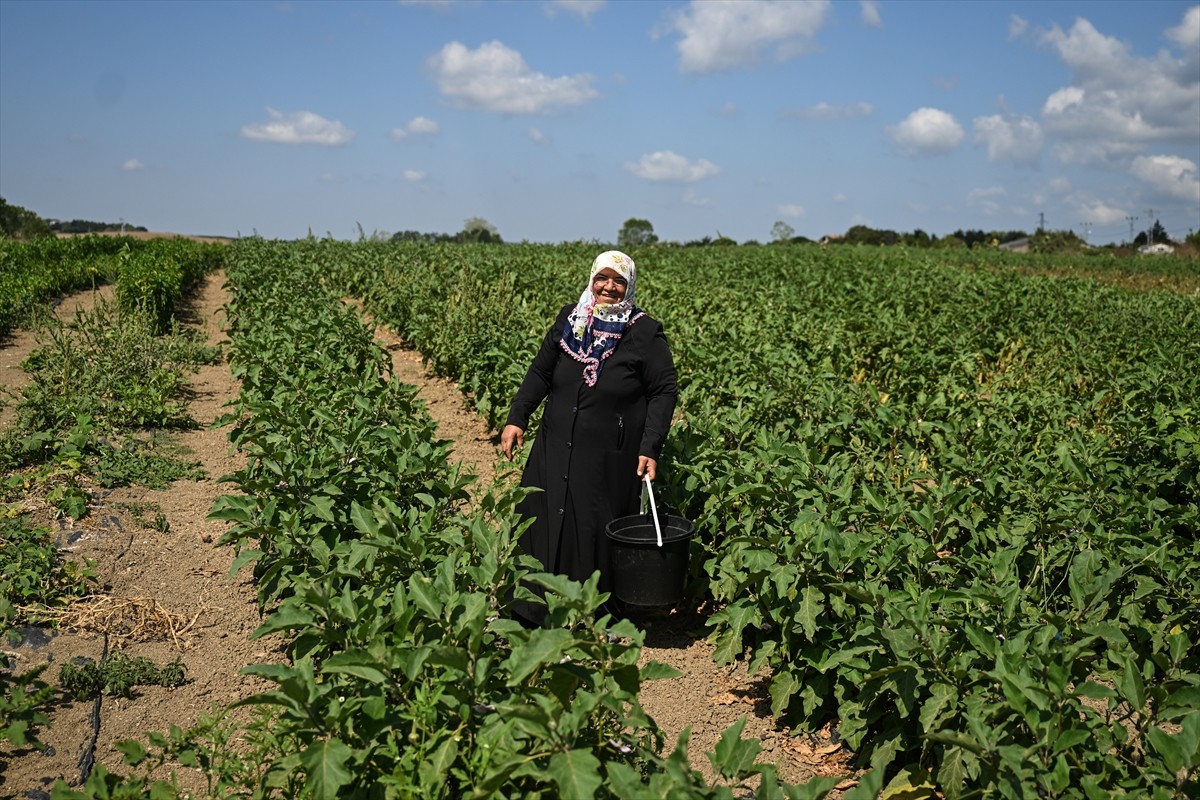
1016, 245
1157, 249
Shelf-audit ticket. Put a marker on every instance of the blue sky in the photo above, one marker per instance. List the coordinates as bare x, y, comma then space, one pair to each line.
557, 121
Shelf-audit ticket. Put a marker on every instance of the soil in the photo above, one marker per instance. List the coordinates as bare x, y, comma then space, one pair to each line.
192, 610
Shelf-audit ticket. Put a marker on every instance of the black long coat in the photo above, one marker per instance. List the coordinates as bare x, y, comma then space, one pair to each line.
585, 454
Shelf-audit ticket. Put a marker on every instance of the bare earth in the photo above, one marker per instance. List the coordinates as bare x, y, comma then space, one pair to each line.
197, 613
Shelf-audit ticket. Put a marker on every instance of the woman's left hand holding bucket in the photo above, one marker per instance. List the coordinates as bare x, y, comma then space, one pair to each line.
647, 466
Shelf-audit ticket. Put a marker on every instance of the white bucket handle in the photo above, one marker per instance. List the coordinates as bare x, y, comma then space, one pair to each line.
653, 509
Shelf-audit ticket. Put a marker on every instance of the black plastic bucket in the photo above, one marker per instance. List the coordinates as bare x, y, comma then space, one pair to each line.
641, 572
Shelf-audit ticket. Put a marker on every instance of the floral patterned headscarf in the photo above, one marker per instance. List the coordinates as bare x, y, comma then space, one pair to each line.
593, 329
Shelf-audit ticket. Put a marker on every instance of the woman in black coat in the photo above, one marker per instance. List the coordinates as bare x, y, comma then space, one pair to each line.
608, 379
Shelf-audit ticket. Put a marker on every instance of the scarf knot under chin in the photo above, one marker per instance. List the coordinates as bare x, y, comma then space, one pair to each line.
599, 340
593, 330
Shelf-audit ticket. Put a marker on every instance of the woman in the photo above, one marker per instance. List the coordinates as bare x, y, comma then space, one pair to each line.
608, 379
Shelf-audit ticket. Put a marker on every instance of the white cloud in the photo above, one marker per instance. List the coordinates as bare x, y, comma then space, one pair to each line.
870, 13
722, 34
1017, 27
582, 8
1187, 33
790, 210
1010, 138
667, 167
690, 198
1171, 175
824, 111
538, 137
1100, 213
417, 126
927, 131
1120, 100
132, 165
301, 127
840, 198
496, 78
413, 175
988, 200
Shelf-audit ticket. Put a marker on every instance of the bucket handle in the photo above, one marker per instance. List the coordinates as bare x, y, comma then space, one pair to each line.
653, 509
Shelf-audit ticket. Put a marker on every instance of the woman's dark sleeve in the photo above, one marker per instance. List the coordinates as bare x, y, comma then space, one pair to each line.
536, 385
658, 371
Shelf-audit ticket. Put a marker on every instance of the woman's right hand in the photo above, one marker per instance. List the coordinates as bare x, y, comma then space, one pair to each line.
512, 437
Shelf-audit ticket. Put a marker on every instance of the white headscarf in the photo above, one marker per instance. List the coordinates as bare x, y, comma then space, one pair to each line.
593, 329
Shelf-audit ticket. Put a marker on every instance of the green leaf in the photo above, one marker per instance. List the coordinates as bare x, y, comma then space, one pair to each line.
734, 756
576, 773
544, 647
656, 670
812, 601
325, 763
357, 663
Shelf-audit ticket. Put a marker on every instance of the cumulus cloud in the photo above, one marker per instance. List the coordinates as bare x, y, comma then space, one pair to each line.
1187, 33
1099, 213
870, 14
824, 111
927, 131
413, 175
1116, 102
667, 167
495, 77
417, 126
1172, 176
690, 198
1010, 137
132, 165
538, 137
791, 210
581, 8
723, 34
301, 127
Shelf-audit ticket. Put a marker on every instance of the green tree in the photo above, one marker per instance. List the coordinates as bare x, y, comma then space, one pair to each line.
21, 223
636, 232
782, 232
478, 229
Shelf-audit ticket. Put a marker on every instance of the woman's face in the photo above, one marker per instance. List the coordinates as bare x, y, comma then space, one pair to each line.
608, 287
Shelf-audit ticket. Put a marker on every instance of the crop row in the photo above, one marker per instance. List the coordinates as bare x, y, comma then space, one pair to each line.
151, 274
404, 673
950, 505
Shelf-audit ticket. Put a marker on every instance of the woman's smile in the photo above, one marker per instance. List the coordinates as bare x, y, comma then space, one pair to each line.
608, 287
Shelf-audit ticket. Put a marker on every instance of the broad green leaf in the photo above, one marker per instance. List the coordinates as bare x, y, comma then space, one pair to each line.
325, 763
576, 773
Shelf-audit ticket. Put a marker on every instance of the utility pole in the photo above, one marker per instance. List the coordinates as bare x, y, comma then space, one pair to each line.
1131, 220
1041, 220
1087, 231
1150, 226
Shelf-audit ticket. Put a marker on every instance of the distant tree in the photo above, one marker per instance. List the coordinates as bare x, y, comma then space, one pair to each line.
782, 232
635, 233
1056, 242
21, 223
723, 241
1158, 235
861, 234
478, 229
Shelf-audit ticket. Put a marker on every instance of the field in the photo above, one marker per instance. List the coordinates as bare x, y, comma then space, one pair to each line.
947, 510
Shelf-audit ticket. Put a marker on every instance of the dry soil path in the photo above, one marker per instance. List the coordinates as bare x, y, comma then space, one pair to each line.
183, 573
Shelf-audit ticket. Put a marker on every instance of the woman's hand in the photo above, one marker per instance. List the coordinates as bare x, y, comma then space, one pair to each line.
512, 438
647, 466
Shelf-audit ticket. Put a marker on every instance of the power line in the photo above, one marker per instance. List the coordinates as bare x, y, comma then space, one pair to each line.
1131, 220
